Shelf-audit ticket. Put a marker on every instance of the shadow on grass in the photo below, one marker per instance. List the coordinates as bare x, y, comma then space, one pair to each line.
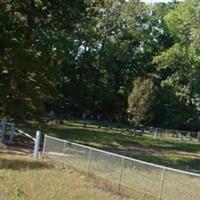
114, 140
186, 164
95, 123
89, 137
18, 164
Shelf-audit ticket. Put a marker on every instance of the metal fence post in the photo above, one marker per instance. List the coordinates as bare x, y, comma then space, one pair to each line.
198, 136
162, 184
3, 125
64, 146
180, 137
156, 134
89, 161
37, 144
189, 136
44, 146
121, 174
12, 132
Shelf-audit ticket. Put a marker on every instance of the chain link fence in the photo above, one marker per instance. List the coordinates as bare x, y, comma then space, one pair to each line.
153, 132
137, 179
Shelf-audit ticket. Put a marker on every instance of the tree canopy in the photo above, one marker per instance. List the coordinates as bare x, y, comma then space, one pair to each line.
113, 59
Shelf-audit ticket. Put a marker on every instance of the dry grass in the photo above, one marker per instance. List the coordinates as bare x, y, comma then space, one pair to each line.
21, 178
142, 185
138, 181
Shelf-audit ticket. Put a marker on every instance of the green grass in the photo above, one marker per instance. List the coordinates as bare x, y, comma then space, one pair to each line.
167, 151
107, 139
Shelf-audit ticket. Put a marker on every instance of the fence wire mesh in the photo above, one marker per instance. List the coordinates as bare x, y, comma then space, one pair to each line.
138, 179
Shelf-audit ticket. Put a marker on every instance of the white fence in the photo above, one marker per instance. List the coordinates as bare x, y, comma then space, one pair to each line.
6, 126
13, 132
36, 139
138, 179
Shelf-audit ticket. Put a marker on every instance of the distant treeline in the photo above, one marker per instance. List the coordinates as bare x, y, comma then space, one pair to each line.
111, 59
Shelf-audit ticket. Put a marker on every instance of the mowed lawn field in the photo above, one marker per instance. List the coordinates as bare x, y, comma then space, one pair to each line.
22, 178
167, 151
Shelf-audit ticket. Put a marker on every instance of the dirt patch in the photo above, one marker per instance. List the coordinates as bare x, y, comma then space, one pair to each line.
20, 146
14, 150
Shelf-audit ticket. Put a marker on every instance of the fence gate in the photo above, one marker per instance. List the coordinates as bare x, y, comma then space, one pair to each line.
7, 128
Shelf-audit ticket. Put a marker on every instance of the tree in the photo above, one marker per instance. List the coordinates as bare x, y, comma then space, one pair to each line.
140, 101
34, 36
181, 61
